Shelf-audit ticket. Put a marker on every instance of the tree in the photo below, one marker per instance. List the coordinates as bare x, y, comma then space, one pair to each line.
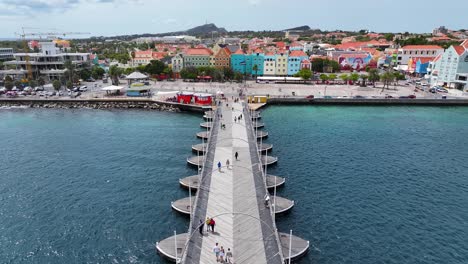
9, 85
8, 78
228, 73
389, 36
69, 85
344, 77
325, 65
374, 76
332, 77
56, 84
18, 84
305, 74
387, 78
114, 73
354, 77
238, 76
85, 74
189, 73
41, 81
364, 78
33, 84
97, 72
323, 77
255, 68
70, 70
155, 67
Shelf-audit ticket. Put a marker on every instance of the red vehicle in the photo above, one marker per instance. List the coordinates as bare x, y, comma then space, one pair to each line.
310, 97
412, 96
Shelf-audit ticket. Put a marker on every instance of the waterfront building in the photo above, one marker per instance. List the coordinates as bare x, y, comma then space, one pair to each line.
294, 61
306, 64
418, 65
197, 57
49, 62
281, 60
269, 64
177, 64
238, 61
221, 59
450, 68
421, 51
144, 57
6, 54
258, 58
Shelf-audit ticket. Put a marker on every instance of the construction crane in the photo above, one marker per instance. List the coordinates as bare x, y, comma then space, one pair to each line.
41, 35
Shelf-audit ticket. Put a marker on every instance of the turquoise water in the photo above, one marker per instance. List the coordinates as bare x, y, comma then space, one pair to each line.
371, 184
91, 186
374, 184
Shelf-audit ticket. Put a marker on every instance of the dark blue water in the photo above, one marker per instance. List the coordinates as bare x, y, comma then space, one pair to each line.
90, 186
371, 184
374, 184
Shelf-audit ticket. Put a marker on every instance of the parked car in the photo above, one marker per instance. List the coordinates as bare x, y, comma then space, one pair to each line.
442, 90
39, 88
433, 90
11, 94
388, 97
310, 97
359, 97
412, 96
83, 88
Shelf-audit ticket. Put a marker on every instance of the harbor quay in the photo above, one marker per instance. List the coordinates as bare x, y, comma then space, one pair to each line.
232, 188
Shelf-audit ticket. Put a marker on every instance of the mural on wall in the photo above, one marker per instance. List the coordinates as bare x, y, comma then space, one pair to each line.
354, 62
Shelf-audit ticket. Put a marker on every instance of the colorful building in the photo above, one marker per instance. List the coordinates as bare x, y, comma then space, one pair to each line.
417, 65
422, 51
258, 58
222, 59
450, 69
294, 61
198, 57
269, 64
281, 60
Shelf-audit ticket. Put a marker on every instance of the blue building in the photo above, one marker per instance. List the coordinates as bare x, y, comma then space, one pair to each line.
421, 65
294, 61
258, 58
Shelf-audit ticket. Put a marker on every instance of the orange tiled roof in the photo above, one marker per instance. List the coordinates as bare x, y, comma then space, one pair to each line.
297, 53
437, 57
199, 52
459, 49
420, 47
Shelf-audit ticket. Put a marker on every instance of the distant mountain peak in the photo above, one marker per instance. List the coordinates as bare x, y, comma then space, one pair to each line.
301, 28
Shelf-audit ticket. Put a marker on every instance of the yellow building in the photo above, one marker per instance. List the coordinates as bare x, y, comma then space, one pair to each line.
281, 63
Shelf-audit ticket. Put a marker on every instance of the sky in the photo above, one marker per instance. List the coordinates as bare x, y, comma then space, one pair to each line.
120, 17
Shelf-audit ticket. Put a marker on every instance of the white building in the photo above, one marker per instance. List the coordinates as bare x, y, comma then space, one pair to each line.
450, 69
6, 54
49, 62
421, 51
177, 63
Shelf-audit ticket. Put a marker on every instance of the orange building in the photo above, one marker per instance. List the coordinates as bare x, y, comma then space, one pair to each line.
222, 59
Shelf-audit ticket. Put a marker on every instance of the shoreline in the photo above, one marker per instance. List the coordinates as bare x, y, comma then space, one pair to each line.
116, 103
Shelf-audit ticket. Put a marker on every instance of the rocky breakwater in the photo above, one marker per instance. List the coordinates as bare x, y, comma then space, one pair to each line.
89, 104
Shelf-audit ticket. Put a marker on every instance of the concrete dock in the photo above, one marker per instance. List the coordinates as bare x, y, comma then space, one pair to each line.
233, 195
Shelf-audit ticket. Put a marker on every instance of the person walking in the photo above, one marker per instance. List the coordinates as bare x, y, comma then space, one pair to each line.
235, 119
207, 223
212, 224
228, 256
219, 166
216, 250
221, 255
236, 155
227, 163
200, 227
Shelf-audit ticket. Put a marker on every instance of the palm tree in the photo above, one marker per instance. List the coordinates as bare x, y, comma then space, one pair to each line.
255, 68
114, 73
344, 77
364, 77
70, 68
354, 77
374, 76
